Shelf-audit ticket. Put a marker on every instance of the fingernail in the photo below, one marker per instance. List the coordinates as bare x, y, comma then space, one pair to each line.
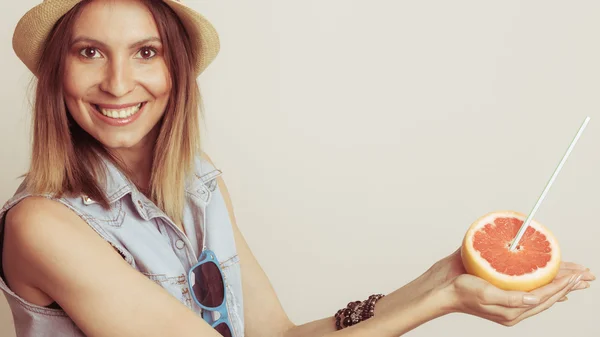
530, 299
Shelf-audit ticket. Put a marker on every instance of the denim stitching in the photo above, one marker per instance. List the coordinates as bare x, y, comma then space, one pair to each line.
163, 278
230, 261
229, 303
41, 310
92, 222
212, 185
196, 197
118, 220
178, 281
120, 193
187, 296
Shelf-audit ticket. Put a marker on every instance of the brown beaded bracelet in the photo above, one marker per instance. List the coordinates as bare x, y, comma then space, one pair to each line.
356, 312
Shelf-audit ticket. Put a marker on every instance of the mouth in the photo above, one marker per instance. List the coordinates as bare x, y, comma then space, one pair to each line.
118, 112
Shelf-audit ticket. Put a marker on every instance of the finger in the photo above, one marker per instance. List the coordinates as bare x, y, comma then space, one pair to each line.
512, 315
581, 285
493, 296
554, 287
587, 274
572, 266
548, 303
509, 306
566, 265
518, 299
501, 314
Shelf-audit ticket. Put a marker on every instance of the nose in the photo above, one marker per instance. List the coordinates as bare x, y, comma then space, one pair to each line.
118, 79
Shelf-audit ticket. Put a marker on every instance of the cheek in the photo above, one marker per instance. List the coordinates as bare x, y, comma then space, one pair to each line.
158, 82
76, 82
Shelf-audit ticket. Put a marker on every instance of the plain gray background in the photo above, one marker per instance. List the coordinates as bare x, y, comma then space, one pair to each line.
360, 139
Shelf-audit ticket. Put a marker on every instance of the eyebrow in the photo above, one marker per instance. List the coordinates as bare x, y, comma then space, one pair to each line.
102, 44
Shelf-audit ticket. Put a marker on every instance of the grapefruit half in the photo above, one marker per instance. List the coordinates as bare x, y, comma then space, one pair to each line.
485, 252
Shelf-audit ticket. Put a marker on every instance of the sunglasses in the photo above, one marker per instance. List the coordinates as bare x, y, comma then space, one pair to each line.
207, 285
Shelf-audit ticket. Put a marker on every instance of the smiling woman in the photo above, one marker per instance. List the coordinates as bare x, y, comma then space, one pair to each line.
117, 85
116, 159
123, 227
114, 76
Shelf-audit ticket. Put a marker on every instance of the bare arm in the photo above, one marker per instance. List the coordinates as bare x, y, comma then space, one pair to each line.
396, 313
441, 290
50, 251
420, 289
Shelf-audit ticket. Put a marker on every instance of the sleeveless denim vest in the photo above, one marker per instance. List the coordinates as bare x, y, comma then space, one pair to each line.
150, 242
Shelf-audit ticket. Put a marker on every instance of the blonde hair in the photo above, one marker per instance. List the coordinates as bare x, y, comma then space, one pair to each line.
66, 159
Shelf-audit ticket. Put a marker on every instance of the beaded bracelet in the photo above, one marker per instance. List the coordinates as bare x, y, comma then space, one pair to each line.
356, 312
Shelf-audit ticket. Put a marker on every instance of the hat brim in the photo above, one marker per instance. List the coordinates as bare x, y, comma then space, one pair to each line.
35, 26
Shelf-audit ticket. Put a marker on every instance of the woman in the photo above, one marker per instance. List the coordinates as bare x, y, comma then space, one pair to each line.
123, 228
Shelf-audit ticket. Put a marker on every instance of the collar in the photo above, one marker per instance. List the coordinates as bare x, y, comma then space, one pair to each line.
117, 184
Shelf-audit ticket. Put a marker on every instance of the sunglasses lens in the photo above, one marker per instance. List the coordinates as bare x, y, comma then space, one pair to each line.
208, 287
224, 330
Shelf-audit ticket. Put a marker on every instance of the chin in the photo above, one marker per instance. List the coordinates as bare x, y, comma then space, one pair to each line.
122, 141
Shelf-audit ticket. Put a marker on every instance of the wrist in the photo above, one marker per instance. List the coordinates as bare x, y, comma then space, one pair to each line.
392, 318
414, 289
429, 305
446, 298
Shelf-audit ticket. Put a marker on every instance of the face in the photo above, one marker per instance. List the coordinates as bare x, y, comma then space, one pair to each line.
116, 80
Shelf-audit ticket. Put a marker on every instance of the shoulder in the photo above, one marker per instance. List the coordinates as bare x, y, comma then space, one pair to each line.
37, 232
41, 234
32, 215
36, 226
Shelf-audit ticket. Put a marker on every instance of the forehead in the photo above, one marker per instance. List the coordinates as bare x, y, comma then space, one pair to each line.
115, 21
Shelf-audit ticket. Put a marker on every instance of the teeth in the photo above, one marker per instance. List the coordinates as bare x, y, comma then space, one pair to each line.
123, 113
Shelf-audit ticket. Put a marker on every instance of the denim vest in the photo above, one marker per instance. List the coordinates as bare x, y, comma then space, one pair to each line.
150, 242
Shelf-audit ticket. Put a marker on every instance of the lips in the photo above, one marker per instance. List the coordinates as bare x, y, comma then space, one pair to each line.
116, 106
124, 114
118, 111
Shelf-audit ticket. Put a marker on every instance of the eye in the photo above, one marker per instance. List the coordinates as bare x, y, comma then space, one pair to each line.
147, 53
90, 53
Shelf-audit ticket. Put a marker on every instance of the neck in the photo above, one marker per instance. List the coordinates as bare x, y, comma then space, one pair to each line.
138, 160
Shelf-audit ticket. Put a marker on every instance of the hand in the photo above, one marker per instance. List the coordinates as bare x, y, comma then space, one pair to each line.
447, 268
450, 271
451, 266
472, 295
569, 267
475, 296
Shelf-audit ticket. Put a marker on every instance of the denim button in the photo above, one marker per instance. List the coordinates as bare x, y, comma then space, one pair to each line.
180, 244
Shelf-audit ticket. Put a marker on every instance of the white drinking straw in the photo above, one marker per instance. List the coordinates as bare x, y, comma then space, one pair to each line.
521, 231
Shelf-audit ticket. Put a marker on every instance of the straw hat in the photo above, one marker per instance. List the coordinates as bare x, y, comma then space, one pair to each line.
33, 28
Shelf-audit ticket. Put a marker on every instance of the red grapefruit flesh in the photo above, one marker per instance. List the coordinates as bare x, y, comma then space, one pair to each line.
485, 252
